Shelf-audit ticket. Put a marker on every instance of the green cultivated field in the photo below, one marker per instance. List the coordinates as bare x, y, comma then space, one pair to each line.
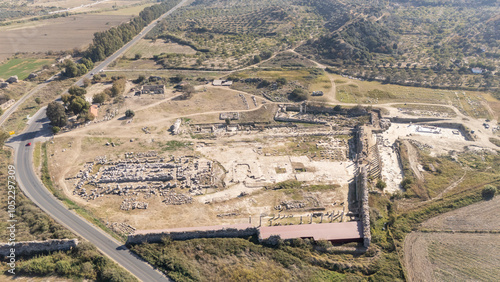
21, 67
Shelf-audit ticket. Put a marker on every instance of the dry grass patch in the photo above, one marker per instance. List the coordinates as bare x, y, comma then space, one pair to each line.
358, 91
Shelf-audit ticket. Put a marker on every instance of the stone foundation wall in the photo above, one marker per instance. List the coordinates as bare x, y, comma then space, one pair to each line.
32, 247
361, 179
364, 207
223, 233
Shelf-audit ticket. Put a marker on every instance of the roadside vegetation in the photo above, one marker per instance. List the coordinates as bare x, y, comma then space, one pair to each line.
83, 262
247, 260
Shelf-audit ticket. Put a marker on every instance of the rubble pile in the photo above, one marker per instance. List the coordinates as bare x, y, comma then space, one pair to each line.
290, 205
132, 204
122, 228
173, 198
244, 100
150, 154
420, 145
228, 214
147, 175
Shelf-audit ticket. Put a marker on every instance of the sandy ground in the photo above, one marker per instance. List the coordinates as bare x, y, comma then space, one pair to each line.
249, 170
441, 143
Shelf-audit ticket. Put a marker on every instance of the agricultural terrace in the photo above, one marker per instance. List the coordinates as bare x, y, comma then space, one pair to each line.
278, 85
229, 36
470, 103
85, 6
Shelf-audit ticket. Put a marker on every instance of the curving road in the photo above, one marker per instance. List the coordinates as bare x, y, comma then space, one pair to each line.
38, 127
35, 190
122, 50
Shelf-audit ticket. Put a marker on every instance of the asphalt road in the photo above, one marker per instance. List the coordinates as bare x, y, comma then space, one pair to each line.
14, 107
34, 189
122, 50
38, 127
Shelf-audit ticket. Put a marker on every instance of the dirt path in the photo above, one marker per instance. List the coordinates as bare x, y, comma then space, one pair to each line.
332, 94
416, 259
413, 159
449, 188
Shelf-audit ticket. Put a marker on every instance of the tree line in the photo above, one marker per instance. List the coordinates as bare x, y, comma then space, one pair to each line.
107, 42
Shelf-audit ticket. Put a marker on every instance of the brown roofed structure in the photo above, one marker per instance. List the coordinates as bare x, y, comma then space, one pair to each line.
335, 232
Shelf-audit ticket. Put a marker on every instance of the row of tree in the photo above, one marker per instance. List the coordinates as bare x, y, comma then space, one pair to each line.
73, 70
107, 42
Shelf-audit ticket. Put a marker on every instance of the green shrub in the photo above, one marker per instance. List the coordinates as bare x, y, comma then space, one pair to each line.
489, 192
298, 94
129, 113
381, 184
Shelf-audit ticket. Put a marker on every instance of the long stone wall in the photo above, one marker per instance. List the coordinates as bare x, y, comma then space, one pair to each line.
156, 237
33, 247
361, 179
364, 207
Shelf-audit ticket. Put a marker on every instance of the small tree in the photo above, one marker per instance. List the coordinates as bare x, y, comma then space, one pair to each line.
129, 113
77, 91
38, 100
4, 135
298, 94
406, 183
100, 98
70, 69
140, 79
281, 81
489, 192
57, 114
79, 105
381, 184
137, 56
87, 82
56, 129
66, 98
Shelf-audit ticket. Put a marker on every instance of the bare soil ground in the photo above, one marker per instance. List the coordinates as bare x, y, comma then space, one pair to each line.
73, 149
452, 257
54, 34
69, 154
482, 216
470, 253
